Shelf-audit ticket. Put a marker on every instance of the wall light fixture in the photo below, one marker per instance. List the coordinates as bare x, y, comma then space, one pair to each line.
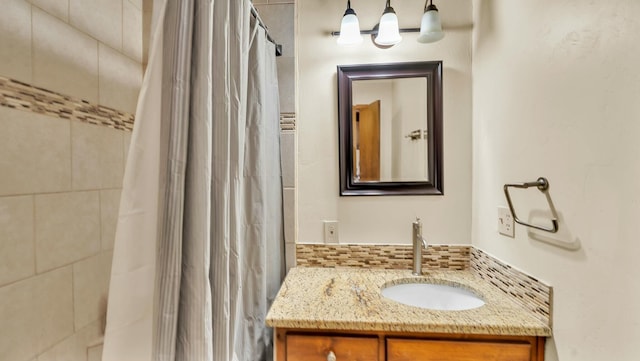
349, 28
386, 33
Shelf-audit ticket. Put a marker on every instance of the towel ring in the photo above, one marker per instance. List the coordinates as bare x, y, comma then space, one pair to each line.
543, 186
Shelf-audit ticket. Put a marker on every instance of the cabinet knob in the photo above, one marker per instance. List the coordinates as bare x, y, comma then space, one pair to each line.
331, 356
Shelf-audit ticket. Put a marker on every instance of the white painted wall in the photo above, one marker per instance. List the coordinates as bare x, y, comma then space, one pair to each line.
447, 219
556, 93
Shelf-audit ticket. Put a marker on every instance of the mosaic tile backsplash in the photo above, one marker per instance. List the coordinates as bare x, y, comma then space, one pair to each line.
381, 256
524, 289
527, 291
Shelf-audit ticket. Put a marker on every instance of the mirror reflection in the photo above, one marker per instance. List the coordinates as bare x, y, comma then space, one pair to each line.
390, 130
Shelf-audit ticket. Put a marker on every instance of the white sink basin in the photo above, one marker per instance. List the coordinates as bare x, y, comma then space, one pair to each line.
433, 296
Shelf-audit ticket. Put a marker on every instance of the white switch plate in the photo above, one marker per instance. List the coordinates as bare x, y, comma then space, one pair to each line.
505, 222
330, 231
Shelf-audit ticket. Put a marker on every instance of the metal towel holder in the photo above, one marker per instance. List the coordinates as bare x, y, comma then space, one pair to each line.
543, 185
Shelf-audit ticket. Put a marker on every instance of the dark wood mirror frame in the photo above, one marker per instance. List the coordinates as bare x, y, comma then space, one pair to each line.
432, 71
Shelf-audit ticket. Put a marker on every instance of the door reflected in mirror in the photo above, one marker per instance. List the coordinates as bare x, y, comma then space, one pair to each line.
390, 128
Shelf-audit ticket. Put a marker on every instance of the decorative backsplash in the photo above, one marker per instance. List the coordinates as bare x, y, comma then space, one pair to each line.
381, 256
527, 291
21, 96
524, 289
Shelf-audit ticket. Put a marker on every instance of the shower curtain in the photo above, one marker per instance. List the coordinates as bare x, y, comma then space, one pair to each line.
199, 247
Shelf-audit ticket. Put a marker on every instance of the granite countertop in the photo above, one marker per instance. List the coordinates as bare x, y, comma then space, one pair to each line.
350, 299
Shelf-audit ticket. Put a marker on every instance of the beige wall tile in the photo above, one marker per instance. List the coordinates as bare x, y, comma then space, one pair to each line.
67, 228
289, 215
288, 160
120, 80
74, 347
54, 305
18, 317
97, 156
35, 314
35, 154
15, 40
127, 142
281, 23
90, 288
280, 19
109, 206
147, 15
17, 259
290, 256
64, 59
101, 19
94, 353
287, 83
132, 31
57, 8
136, 3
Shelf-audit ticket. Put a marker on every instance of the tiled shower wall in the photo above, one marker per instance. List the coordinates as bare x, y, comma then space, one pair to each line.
60, 178
279, 16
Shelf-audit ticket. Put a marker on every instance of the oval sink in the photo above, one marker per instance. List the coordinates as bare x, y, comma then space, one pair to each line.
432, 296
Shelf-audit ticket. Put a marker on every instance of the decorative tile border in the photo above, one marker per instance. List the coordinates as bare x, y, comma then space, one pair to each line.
18, 95
527, 291
287, 121
524, 289
450, 257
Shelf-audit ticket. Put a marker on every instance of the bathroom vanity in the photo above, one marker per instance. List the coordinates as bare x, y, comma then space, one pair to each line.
341, 314
298, 345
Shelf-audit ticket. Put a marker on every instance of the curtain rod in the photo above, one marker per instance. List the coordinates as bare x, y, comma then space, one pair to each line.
255, 14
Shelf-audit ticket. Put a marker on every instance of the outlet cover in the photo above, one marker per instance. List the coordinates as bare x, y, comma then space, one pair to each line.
331, 232
505, 222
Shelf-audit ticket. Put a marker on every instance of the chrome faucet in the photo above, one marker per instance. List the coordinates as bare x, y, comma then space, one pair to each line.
418, 243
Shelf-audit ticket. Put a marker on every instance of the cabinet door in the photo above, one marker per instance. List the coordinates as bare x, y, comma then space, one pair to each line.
320, 348
430, 350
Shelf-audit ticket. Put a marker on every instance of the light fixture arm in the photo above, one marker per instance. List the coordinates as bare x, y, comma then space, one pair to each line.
374, 32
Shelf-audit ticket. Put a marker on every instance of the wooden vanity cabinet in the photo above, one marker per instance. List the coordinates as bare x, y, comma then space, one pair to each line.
318, 348
300, 345
435, 350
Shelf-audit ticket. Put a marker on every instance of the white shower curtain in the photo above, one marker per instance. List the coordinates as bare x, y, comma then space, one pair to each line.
199, 245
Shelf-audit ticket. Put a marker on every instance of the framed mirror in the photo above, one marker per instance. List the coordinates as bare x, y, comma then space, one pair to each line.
390, 129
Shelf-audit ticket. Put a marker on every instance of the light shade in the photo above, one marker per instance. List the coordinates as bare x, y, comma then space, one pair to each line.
430, 27
350, 29
388, 30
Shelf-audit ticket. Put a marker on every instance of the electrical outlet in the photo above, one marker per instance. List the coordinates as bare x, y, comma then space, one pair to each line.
330, 231
505, 222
